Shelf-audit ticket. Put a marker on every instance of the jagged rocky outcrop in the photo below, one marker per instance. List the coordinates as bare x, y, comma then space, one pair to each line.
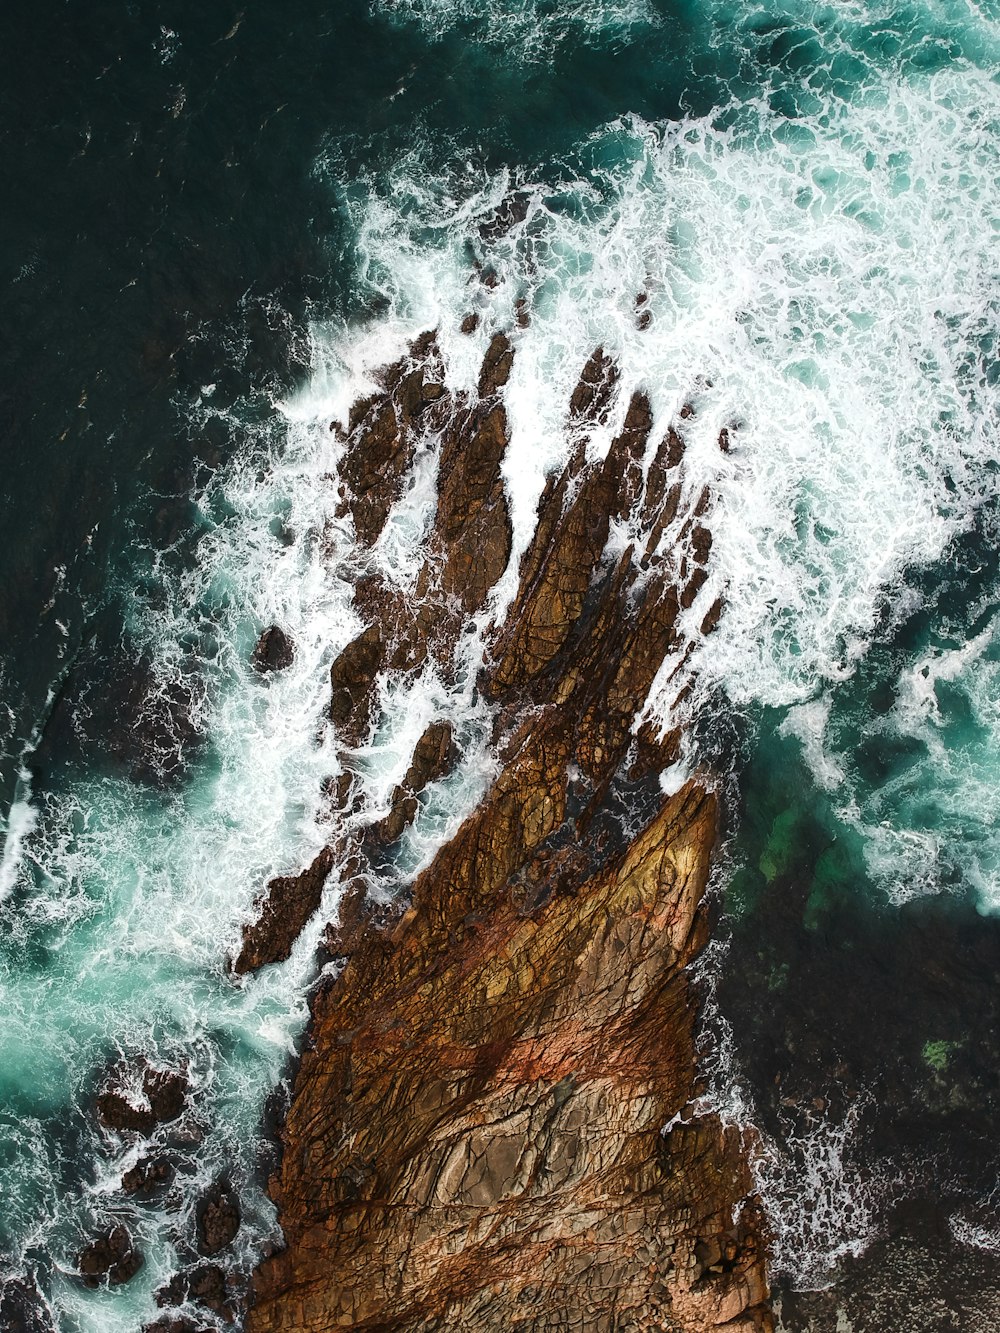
139, 1097
493, 1124
274, 651
286, 905
110, 1257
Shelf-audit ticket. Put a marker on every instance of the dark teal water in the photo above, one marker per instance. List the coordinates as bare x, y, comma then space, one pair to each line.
215, 220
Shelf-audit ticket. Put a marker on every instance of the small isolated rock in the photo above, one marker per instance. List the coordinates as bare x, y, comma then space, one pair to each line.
148, 1174
109, 1257
206, 1285
470, 323
274, 651
162, 1098
218, 1219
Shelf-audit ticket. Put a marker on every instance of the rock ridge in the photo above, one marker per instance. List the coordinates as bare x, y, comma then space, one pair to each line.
494, 1123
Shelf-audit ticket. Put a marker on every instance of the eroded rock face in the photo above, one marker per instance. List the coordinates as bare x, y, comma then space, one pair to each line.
382, 436
476, 1135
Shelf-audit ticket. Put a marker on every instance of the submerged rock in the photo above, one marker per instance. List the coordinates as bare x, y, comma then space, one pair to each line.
205, 1285
274, 651
110, 1257
22, 1308
147, 1176
175, 1324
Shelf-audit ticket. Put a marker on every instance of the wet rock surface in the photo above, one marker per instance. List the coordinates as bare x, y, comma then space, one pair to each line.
218, 1219
138, 1098
175, 1324
110, 1257
23, 1309
149, 1175
205, 1285
433, 757
274, 651
286, 905
475, 1138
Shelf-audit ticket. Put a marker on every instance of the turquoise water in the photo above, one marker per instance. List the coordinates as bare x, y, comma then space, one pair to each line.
808, 196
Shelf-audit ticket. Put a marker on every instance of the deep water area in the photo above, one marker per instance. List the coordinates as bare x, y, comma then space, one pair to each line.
779, 218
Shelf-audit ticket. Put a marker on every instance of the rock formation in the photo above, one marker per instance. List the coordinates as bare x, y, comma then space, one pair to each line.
274, 651
493, 1126
139, 1097
110, 1257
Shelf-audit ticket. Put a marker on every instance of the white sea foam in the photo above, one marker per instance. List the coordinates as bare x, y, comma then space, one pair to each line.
140, 894
825, 289
525, 31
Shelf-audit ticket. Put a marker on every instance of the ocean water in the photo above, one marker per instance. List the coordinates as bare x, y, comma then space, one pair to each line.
221, 221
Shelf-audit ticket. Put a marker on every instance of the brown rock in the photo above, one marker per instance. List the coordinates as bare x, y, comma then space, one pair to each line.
475, 1140
382, 436
274, 651
701, 543
205, 1285
360, 917
22, 1309
470, 323
560, 561
162, 1098
472, 522
110, 1257
175, 1324
496, 365
286, 905
592, 396
433, 756
712, 617
505, 217
352, 677
218, 1220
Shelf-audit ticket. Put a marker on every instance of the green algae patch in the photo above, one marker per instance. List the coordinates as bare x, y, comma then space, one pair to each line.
779, 854
937, 1054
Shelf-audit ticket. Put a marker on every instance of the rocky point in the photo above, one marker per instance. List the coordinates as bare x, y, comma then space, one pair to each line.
494, 1123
